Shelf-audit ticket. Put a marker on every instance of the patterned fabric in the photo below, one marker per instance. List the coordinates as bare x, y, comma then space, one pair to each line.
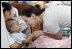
46, 42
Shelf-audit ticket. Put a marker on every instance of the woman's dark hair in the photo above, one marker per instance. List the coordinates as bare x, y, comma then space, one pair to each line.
6, 6
32, 9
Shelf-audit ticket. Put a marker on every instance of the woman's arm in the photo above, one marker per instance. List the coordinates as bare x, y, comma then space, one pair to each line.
57, 36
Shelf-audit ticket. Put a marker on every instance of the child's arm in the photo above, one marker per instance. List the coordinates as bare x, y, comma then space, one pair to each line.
28, 39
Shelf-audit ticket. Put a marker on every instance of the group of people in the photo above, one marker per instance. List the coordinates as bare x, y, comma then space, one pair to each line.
14, 28
53, 18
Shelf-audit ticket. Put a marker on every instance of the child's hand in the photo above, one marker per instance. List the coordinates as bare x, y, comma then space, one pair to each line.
28, 35
30, 46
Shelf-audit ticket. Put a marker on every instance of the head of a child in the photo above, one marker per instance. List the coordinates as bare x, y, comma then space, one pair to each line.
13, 26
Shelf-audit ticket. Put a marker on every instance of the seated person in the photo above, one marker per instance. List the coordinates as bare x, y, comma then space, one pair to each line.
14, 28
8, 11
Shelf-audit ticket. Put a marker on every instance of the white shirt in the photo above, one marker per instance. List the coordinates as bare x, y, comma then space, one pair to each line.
15, 12
4, 34
57, 17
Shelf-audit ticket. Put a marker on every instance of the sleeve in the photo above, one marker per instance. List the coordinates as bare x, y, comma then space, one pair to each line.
10, 40
53, 29
18, 38
23, 35
53, 26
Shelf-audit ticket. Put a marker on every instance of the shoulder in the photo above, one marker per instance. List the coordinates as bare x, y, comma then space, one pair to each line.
15, 35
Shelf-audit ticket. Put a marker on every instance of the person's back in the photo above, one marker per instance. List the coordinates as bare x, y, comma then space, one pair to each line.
65, 17
57, 17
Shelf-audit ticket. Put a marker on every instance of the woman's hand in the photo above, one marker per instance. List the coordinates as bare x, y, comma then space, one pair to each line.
57, 36
37, 34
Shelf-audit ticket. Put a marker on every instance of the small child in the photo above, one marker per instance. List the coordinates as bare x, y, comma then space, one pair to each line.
14, 28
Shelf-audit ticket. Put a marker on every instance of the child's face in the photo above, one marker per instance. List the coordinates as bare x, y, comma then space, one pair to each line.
16, 27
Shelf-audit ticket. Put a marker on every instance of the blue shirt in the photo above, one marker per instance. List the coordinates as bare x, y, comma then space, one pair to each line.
18, 37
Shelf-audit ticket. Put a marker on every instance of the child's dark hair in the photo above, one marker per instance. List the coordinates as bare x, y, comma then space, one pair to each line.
6, 6
27, 11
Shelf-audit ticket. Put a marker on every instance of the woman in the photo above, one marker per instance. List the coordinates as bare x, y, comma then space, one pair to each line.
8, 14
53, 18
